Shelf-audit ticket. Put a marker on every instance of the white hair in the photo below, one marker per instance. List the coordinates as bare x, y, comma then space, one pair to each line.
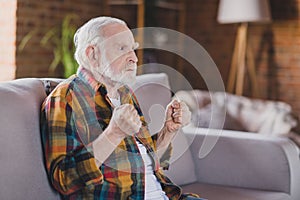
87, 34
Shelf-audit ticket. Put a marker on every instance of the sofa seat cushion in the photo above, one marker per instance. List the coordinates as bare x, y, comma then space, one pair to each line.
215, 192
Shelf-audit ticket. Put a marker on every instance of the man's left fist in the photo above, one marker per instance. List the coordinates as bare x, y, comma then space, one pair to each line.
177, 116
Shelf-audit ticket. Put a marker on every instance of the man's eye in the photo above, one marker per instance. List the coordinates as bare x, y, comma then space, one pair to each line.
122, 48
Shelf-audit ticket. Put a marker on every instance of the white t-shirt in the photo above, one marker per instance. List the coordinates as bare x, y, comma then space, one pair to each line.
153, 188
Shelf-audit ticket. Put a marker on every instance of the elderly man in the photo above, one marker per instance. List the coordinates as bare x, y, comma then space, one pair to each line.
96, 141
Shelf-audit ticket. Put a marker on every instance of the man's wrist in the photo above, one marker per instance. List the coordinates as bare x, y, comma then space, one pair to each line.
113, 137
169, 130
103, 146
166, 131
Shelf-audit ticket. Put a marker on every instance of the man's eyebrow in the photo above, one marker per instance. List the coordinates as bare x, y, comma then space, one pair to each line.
134, 44
118, 43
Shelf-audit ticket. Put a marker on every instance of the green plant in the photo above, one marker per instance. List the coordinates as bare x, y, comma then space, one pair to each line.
60, 40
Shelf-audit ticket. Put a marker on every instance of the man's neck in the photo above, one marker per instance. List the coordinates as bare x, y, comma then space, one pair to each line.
111, 87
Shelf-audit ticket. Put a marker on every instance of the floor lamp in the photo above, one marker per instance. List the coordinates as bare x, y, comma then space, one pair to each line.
242, 12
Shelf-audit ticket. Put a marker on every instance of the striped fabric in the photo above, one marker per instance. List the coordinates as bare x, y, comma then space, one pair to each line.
73, 115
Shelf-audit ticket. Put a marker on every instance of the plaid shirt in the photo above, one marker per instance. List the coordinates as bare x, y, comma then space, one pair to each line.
73, 115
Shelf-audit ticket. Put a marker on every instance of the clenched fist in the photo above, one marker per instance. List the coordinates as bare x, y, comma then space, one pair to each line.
177, 116
125, 121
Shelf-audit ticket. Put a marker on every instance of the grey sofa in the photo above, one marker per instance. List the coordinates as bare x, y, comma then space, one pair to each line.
240, 166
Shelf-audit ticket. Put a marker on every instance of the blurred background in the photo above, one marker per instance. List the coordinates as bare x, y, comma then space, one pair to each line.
36, 39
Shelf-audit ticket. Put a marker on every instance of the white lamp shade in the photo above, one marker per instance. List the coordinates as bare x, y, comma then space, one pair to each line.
236, 11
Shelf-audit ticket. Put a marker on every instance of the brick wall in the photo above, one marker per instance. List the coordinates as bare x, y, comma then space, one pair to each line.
277, 52
40, 17
7, 39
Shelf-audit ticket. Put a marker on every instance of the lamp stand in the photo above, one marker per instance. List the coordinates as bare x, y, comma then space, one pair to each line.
239, 62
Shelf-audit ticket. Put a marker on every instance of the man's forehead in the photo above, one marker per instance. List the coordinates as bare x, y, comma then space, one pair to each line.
116, 31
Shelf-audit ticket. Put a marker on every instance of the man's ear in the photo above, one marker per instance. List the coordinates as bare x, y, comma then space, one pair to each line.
92, 55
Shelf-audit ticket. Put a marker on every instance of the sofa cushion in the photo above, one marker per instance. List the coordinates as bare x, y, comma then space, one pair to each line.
22, 171
153, 94
216, 192
182, 167
210, 109
241, 159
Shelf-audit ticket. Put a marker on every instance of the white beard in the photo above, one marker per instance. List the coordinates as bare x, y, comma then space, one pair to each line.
124, 77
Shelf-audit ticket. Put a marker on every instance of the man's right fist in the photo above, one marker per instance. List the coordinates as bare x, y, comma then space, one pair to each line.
125, 120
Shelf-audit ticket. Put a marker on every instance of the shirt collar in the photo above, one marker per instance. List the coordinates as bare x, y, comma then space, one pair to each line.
88, 77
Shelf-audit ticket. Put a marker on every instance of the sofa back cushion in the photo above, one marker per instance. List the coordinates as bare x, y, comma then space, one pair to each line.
182, 167
154, 94
22, 171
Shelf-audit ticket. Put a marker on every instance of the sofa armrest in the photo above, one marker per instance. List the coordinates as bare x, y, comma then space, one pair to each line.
246, 160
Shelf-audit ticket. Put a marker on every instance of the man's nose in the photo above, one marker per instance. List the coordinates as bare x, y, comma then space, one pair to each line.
132, 57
